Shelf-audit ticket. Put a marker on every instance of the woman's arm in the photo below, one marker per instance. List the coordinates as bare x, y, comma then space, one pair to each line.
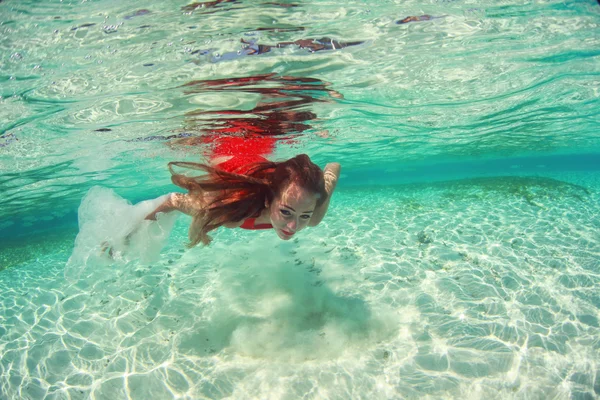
331, 175
186, 203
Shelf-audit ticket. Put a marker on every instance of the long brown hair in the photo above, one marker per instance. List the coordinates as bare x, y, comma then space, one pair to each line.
244, 192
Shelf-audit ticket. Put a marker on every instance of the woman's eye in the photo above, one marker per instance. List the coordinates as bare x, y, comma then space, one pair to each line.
285, 212
305, 216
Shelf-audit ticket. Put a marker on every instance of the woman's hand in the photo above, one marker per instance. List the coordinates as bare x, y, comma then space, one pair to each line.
331, 175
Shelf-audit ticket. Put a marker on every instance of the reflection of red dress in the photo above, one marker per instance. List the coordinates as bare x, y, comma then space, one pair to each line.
241, 137
246, 147
238, 165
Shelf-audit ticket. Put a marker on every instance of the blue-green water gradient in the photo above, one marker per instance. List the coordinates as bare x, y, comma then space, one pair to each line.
460, 257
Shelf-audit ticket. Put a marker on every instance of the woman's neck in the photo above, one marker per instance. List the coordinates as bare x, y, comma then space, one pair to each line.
263, 218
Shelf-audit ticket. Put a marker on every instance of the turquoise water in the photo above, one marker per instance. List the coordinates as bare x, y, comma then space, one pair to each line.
461, 255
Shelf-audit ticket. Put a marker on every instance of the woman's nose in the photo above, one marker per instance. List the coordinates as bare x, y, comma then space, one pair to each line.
292, 224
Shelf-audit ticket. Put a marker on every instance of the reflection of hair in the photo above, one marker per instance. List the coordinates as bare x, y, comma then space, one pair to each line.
238, 196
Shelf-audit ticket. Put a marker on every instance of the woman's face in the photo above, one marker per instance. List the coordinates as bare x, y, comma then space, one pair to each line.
292, 210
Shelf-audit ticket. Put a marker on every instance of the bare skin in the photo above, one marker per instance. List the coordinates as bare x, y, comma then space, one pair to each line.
290, 212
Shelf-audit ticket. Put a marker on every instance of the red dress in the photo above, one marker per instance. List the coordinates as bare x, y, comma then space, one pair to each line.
236, 164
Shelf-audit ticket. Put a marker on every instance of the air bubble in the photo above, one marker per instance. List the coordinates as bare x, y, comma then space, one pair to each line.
217, 55
56, 31
99, 61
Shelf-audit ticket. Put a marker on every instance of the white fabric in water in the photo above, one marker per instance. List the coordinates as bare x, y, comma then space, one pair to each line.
113, 231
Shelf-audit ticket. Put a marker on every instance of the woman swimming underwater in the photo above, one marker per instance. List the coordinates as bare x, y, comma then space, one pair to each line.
251, 192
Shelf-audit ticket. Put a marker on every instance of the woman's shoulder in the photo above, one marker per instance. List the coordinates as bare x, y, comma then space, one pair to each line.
257, 222
233, 224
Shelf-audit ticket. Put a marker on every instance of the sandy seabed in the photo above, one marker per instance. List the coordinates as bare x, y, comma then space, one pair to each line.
481, 289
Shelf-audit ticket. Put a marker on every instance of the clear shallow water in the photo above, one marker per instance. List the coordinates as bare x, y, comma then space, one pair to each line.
477, 288
484, 288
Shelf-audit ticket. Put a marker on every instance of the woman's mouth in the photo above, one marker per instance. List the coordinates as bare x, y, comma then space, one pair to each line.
286, 233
